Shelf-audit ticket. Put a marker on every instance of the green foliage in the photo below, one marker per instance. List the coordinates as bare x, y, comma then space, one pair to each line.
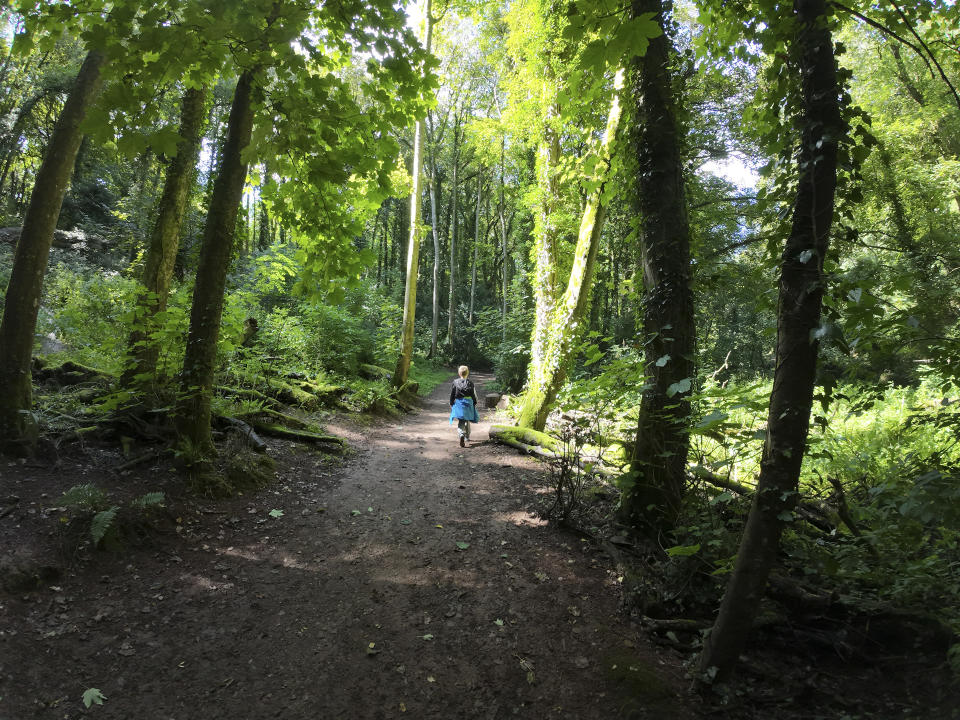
102, 523
428, 374
569, 476
97, 508
150, 499
93, 696
85, 497
86, 309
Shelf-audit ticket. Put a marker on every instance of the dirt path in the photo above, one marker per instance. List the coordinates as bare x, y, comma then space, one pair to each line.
415, 582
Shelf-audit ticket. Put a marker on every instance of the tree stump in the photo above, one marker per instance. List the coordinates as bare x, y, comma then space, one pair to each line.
490, 400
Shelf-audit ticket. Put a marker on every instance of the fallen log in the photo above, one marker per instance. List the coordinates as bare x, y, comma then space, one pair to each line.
814, 513
533, 442
139, 460
245, 431
676, 624
298, 435
249, 393
67, 373
281, 417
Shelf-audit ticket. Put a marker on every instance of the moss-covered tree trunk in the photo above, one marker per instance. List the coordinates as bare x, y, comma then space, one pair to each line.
22, 303
547, 284
660, 455
193, 406
801, 291
165, 240
401, 373
566, 325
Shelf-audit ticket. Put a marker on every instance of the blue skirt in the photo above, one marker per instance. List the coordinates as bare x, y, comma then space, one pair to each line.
463, 409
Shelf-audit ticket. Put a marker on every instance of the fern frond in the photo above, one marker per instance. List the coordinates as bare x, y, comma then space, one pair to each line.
86, 497
151, 499
101, 524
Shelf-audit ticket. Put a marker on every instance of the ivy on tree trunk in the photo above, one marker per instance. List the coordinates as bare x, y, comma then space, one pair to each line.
660, 455
567, 323
801, 292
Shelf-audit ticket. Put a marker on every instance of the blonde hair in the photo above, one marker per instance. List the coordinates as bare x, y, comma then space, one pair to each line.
463, 371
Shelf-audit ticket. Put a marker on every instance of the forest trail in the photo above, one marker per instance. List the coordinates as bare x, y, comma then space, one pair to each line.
418, 583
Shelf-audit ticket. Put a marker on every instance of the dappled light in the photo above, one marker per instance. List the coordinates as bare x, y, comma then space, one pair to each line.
437, 359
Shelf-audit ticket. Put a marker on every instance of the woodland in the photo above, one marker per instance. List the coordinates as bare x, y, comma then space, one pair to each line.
703, 250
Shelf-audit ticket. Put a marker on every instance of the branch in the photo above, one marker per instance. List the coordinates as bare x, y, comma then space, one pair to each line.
933, 58
884, 29
733, 199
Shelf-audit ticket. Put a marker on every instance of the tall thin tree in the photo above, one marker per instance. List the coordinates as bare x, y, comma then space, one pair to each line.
22, 304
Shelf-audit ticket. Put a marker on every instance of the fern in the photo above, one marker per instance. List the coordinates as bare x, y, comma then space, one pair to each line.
87, 497
151, 499
101, 523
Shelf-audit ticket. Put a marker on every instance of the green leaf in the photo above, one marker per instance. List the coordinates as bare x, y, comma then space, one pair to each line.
101, 523
661, 361
93, 696
462, 545
681, 386
276, 513
683, 550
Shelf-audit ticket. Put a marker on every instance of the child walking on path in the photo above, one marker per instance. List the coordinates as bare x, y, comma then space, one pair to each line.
463, 404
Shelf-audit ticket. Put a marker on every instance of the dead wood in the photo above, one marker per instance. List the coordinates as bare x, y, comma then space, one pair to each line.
298, 435
139, 460
816, 514
244, 430
281, 417
676, 624
249, 393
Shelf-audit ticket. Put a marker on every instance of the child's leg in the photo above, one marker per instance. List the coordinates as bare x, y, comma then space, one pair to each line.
460, 430
466, 428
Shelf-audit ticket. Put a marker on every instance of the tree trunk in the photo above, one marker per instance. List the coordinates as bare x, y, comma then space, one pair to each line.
451, 307
196, 385
402, 372
660, 455
435, 326
546, 281
566, 326
165, 240
503, 244
265, 238
22, 304
801, 291
476, 248
12, 139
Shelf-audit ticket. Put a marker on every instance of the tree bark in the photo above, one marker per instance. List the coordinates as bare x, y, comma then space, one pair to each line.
476, 248
22, 304
660, 454
165, 240
546, 252
503, 244
566, 326
435, 318
402, 371
801, 291
196, 385
451, 299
